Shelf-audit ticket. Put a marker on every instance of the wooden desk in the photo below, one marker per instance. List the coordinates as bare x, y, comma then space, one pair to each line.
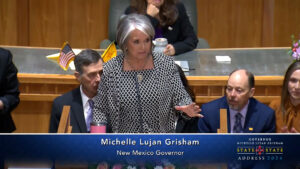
207, 88
39, 90
37, 93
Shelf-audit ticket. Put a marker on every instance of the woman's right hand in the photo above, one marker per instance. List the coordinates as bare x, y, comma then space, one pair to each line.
169, 50
152, 10
191, 110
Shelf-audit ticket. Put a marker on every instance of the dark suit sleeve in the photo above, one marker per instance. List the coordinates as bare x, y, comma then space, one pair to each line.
202, 126
55, 117
9, 89
189, 39
270, 125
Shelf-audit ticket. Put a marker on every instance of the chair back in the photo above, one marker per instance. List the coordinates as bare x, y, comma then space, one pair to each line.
116, 10
191, 10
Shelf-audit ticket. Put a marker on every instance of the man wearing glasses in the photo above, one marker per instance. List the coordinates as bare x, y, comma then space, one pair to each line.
89, 67
244, 113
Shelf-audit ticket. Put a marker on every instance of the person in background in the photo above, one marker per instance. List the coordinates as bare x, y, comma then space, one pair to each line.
9, 91
287, 108
140, 91
88, 65
170, 21
244, 113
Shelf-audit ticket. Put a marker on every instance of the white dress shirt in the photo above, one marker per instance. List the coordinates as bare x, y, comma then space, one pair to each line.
85, 104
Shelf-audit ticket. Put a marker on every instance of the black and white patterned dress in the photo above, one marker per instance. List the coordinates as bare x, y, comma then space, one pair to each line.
127, 105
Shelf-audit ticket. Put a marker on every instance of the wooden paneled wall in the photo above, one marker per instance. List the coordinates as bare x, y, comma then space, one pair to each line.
230, 23
248, 23
84, 23
14, 22
49, 23
81, 22
286, 21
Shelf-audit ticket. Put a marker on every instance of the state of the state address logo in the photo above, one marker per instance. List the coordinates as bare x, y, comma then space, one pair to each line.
259, 149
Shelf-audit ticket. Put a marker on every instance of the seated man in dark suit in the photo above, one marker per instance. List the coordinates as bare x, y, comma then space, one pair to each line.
244, 113
9, 91
89, 67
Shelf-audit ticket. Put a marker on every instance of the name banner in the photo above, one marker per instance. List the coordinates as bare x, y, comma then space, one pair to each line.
151, 149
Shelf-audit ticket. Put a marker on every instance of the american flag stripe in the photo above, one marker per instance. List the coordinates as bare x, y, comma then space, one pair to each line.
66, 55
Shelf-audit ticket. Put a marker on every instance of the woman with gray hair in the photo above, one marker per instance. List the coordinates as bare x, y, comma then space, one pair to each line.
140, 90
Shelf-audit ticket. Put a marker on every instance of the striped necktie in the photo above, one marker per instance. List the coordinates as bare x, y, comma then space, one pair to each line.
237, 128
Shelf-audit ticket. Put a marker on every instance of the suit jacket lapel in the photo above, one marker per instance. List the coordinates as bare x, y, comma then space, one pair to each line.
77, 110
249, 117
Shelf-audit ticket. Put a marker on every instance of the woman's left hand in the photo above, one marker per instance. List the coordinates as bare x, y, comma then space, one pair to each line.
285, 129
293, 130
152, 10
192, 110
169, 50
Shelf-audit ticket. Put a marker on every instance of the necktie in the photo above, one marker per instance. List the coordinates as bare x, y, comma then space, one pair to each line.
89, 114
237, 128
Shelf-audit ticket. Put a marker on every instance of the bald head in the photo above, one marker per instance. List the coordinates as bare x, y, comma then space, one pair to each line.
244, 72
240, 87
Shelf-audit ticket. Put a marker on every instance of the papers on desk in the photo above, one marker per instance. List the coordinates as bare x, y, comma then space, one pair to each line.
184, 65
223, 59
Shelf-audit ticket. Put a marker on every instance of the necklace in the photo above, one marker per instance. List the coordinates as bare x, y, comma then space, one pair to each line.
139, 75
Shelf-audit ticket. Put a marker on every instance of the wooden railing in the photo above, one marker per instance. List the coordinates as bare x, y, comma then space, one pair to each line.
39, 90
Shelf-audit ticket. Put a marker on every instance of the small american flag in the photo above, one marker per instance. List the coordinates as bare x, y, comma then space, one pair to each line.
66, 56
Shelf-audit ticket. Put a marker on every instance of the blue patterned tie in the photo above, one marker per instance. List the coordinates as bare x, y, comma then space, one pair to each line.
237, 128
89, 115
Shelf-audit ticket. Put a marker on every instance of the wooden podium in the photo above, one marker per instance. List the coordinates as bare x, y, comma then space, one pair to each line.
64, 123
